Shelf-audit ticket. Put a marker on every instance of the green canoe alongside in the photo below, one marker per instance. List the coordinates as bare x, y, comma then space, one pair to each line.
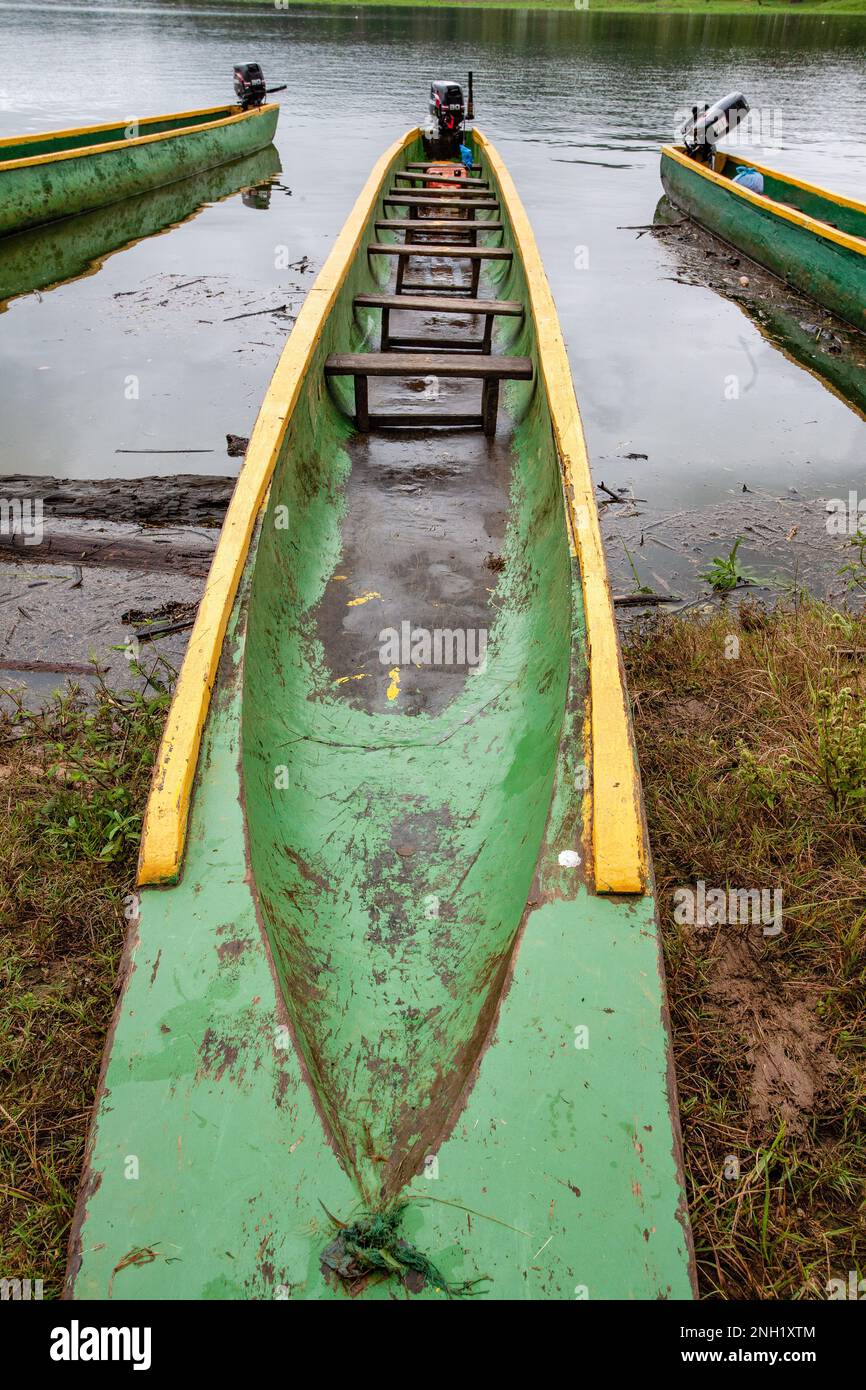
378, 974
45, 257
813, 239
59, 174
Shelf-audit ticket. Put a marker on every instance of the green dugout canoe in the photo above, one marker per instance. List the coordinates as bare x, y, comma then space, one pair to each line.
45, 257
64, 172
394, 961
813, 239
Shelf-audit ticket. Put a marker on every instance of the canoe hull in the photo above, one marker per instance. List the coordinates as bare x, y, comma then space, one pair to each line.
828, 272
40, 188
384, 973
45, 257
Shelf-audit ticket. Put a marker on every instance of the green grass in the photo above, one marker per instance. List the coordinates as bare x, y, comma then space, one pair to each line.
73, 781
751, 731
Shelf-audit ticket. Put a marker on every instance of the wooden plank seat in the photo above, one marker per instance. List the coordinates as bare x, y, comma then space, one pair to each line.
441, 195
489, 370
448, 179
426, 163
442, 304
471, 253
432, 249
414, 202
458, 226
441, 224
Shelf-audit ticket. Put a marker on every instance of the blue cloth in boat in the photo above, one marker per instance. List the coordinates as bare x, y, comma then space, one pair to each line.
466, 156
749, 178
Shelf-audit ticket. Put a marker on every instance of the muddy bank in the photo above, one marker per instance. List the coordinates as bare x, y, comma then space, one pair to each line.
186, 499
785, 545
178, 550
88, 594
92, 584
57, 620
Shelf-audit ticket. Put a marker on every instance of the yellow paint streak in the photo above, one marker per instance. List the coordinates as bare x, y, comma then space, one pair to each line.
51, 158
394, 688
341, 680
167, 812
619, 851
364, 598
800, 219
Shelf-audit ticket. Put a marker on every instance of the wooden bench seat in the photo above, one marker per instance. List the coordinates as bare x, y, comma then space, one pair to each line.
416, 201
474, 254
426, 163
431, 248
440, 195
440, 179
439, 304
458, 226
489, 370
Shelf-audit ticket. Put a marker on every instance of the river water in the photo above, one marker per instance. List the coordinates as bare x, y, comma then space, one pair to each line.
578, 104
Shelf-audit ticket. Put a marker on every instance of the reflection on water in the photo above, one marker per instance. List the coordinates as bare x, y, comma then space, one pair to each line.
49, 256
826, 346
578, 104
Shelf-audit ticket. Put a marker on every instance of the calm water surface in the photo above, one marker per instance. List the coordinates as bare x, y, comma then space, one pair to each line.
577, 103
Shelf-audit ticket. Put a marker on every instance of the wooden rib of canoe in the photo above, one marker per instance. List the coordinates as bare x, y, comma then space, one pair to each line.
396, 957
811, 238
64, 172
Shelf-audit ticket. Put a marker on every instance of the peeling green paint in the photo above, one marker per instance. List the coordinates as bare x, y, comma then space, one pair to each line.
37, 193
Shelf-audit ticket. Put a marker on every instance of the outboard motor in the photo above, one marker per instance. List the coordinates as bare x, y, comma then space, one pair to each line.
704, 129
250, 85
443, 129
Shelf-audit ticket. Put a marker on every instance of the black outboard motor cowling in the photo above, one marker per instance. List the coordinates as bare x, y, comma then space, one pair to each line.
446, 105
249, 85
704, 129
443, 131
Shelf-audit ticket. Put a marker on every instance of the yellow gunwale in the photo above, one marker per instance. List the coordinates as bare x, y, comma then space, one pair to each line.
619, 850
166, 815
51, 158
800, 219
618, 841
812, 188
